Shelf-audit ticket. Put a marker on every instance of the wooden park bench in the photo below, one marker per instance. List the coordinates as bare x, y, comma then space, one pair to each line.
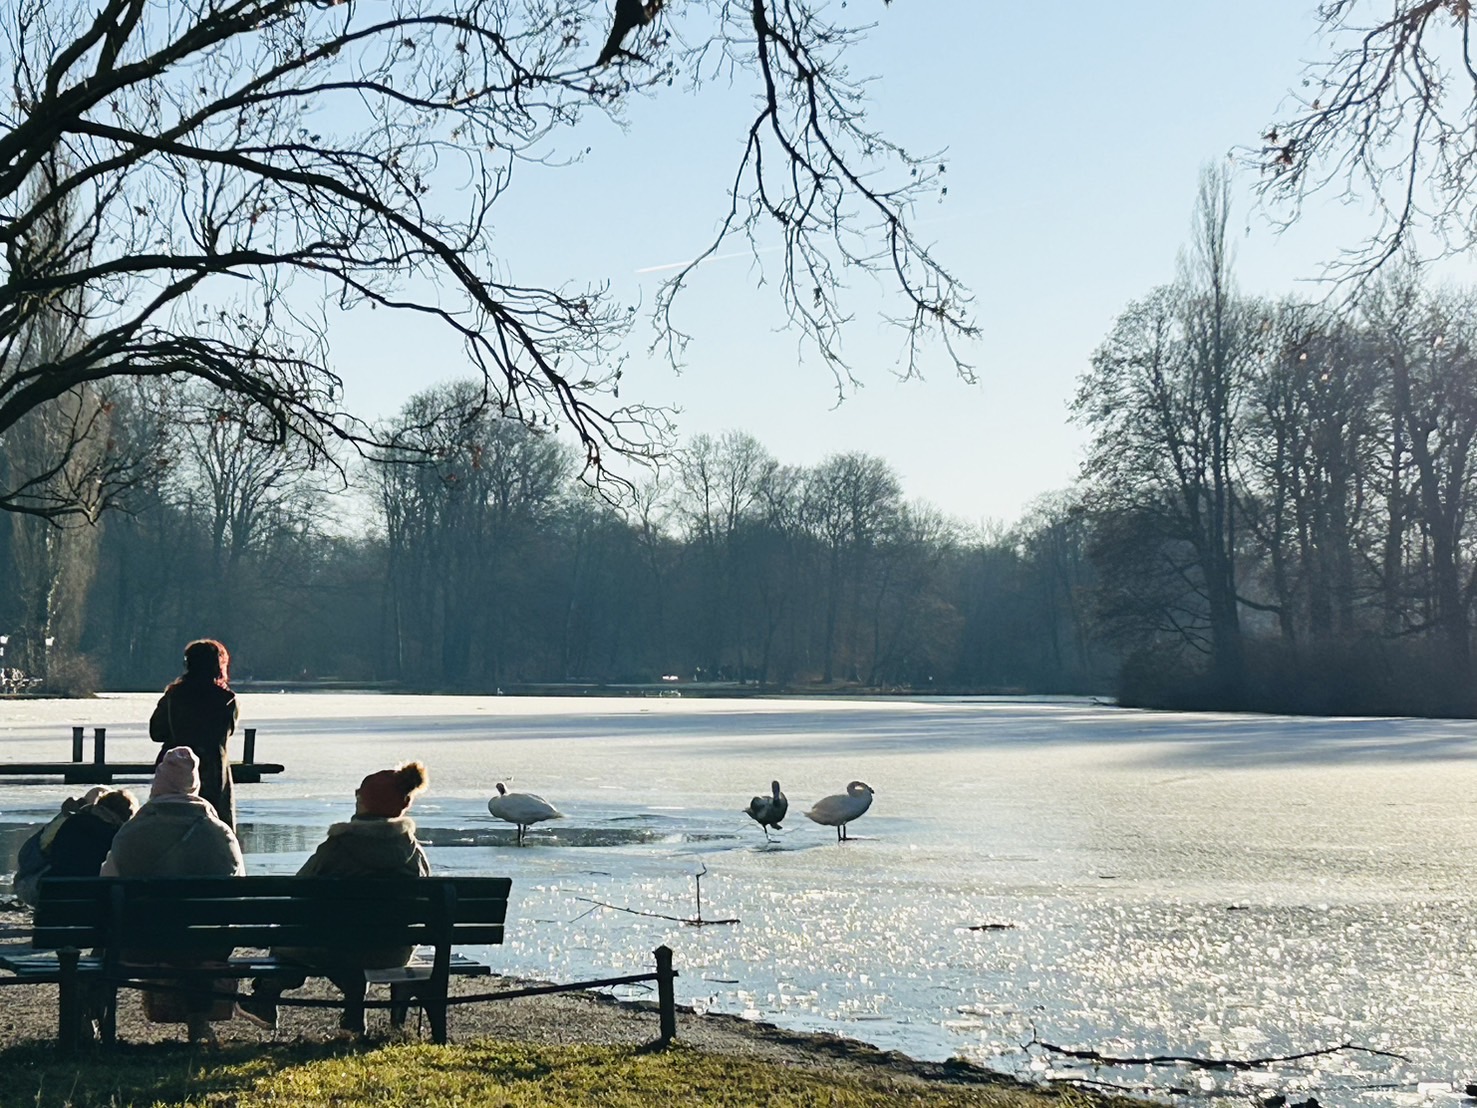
85, 928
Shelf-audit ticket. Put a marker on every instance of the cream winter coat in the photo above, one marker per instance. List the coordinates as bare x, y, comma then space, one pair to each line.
365, 846
175, 836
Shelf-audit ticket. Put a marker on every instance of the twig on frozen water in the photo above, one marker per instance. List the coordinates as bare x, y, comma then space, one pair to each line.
628, 911
1207, 1063
694, 921
698, 921
991, 927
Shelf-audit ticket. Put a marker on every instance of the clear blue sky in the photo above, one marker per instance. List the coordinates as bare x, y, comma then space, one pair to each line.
1075, 134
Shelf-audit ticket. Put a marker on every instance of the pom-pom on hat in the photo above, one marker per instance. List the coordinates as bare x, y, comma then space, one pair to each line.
388, 792
177, 774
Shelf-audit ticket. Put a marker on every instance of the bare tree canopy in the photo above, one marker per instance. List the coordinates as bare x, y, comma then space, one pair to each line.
235, 173
1389, 119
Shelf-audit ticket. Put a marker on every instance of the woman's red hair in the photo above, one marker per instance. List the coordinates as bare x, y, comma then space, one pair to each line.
208, 660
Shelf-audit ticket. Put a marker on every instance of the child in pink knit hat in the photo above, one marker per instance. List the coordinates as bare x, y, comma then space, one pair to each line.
177, 774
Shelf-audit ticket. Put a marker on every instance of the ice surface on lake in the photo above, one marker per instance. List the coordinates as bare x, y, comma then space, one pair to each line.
1214, 885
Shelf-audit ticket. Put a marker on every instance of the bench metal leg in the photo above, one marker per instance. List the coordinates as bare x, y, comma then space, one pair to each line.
69, 1000
110, 1016
436, 1014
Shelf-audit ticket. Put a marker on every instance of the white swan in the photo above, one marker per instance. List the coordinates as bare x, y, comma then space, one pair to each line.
839, 810
767, 811
523, 809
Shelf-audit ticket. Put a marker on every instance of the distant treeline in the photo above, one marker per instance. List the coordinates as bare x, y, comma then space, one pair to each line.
1281, 493
480, 561
1276, 512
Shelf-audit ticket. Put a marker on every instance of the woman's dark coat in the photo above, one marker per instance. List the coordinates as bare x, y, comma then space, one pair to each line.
202, 716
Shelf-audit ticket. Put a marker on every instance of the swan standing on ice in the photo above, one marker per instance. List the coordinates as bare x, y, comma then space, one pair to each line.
767, 811
523, 809
839, 810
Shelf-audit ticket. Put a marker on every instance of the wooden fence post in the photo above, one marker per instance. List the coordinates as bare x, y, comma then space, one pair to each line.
76, 744
666, 994
248, 752
99, 747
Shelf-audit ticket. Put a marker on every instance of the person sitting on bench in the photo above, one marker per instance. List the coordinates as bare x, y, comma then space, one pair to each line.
378, 842
177, 834
75, 842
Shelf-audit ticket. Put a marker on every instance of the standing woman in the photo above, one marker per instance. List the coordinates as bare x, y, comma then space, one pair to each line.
198, 710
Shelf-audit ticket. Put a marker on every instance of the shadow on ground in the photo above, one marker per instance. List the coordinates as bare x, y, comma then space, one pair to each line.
37, 1076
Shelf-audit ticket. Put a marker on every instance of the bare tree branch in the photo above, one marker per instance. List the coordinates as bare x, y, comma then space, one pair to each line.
234, 171
1389, 120
1204, 1063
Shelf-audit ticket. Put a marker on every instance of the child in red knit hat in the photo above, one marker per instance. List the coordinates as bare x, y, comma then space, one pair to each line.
387, 793
378, 842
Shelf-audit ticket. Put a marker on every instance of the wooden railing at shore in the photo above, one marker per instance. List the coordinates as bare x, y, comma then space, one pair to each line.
99, 771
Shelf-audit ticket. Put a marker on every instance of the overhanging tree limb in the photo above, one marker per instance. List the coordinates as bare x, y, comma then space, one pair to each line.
1388, 120
305, 148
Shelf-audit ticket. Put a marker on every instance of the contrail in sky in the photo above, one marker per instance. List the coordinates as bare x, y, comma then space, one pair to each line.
715, 258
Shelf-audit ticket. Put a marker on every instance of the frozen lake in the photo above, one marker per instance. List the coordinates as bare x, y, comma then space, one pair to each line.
1228, 886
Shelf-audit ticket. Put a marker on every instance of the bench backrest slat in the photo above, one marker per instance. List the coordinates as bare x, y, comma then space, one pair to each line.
179, 938
194, 913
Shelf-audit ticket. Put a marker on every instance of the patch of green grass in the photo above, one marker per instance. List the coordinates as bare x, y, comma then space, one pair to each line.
492, 1074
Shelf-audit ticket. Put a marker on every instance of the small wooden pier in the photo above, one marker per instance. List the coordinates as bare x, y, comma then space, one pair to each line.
100, 771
